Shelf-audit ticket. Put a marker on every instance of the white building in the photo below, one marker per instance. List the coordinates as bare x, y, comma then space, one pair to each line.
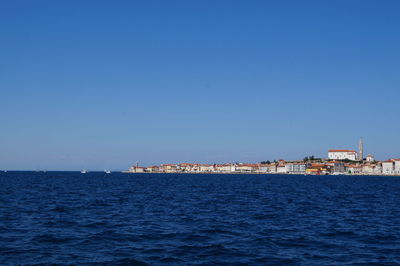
342, 155
368, 169
170, 168
370, 158
337, 167
152, 169
388, 167
391, 167
272, 168
354, 169
296, 168
397, 166
247, 167
378, 169
206, 168
263, 168
136, 169
281, 169
225, 168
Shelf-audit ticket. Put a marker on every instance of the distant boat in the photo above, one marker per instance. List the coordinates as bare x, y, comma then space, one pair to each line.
83, 172
107, 171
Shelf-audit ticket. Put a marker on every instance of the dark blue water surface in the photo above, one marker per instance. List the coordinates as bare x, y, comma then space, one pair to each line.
94, 218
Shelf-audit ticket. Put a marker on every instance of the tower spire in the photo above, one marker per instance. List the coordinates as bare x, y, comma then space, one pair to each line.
361, 150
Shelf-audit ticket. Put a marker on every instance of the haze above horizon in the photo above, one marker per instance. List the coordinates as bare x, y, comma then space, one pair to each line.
102, 84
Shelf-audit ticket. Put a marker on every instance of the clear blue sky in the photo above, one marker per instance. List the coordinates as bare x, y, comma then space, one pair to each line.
102, 84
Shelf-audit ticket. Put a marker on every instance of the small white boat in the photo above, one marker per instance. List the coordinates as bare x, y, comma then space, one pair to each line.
83, 172
107, 171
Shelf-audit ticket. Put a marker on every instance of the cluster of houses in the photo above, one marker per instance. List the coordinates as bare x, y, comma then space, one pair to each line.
339, 162
330, 166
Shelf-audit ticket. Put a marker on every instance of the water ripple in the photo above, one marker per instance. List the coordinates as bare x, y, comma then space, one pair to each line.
95, 219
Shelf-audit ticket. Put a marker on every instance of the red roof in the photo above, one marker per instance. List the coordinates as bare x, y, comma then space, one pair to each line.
249, 165
341, 151
318, 165
354, 166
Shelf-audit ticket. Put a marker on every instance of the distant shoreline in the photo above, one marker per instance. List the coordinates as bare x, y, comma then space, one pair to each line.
243, 173
202, 173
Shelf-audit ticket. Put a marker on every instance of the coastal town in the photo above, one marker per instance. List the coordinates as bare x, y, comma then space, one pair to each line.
338, 162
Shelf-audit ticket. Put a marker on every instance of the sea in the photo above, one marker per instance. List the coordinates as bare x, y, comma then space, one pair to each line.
69, 218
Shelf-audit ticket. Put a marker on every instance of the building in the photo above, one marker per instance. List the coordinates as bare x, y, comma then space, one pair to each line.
170, 168
281, 167
391, 167
152, 169
187, 167
296, 168
272, 168
396, 169
247, 167
207, 168
353, 169
378, 169
337, 167
317, 169
397, 166
369, 168
263, 168
136, 169
388, 167
370, 158
342, 155
225, 168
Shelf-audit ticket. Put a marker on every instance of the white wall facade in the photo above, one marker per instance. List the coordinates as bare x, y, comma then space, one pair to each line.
295, 167
272, 168
206, 168
387, 168
378, 169
370, 158
354, 170
281, 169
136, 169
397, 166
342, 155
225, 168
368, 169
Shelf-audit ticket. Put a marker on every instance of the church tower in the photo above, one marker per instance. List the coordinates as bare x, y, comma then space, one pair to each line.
361, 150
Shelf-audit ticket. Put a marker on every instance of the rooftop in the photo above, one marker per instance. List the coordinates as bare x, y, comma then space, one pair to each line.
341, 151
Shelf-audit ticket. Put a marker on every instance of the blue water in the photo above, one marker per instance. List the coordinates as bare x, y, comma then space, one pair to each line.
70, 218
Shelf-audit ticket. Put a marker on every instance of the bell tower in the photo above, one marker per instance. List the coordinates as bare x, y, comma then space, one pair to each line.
360, 150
